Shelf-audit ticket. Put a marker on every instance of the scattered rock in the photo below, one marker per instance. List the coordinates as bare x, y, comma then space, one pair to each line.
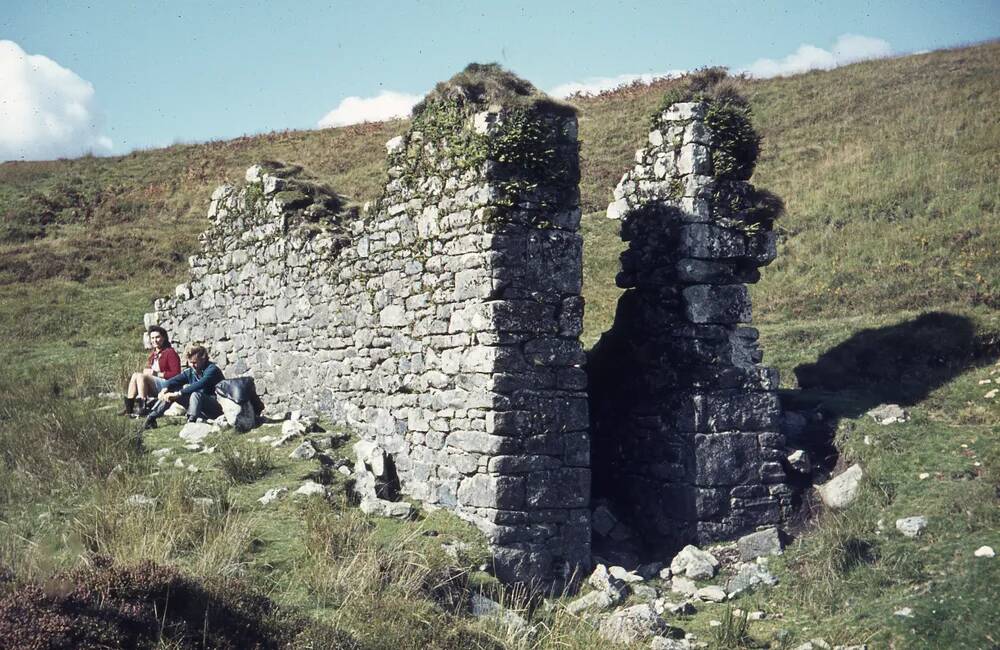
911, 526
682, 585
482, 607
310, 488
683, 608
203, 502
197, 431
923, 475
345, 470
761, 543
888, 414
666, 573
984, 551
602, 580
622, 574
595, 601
304, 451
454, 550
272, 495
159, 453
140, 500
749, 576
631, 624
841, 491
711, 593
644, 592
194, 446
179, 464
756, 616
905, 612
799, 461
383, 508
694, 563
175, 410
663, 643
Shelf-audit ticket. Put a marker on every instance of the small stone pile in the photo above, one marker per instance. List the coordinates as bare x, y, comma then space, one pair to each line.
685, 420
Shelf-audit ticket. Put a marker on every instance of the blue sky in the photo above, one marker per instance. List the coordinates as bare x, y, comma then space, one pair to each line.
113, 76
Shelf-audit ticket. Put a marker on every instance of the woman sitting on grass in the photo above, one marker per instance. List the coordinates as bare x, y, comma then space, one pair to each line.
163, 364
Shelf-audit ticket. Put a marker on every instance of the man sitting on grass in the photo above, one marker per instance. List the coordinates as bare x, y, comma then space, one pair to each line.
194, 389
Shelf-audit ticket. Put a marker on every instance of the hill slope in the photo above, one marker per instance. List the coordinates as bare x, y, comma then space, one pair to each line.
886, 288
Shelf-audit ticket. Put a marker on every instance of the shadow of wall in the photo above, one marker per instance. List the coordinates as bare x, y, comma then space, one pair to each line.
897, 364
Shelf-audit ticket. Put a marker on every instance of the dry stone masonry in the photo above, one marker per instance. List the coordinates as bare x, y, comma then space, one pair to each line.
685, 419
442, 324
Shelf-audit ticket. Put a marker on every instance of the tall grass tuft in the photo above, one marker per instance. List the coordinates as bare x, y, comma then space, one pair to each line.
246, 462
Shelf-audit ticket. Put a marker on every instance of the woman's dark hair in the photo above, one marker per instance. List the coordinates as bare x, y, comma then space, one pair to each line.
162, 332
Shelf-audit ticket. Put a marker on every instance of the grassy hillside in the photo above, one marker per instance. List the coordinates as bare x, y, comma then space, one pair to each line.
886, 288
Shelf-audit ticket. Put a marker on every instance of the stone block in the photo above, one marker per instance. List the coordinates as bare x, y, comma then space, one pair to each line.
489, 491
727, 303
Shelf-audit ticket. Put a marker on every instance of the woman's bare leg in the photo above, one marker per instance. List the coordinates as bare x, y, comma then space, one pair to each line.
133, 385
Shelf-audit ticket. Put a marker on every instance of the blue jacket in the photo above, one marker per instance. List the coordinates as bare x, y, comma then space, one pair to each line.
191, 381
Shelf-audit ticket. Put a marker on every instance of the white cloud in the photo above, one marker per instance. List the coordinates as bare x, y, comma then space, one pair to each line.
848, 49
46, 111
597, 85
384, 106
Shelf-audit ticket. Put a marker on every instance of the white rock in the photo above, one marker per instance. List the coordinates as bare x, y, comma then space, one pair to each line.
179, 464
984, 551
655, 138
310, 488
272, 495
194, 446
159, 453
617, 209
197, 431
694, 563
203, 502
711, 593
140, 500
304, 451
799, 461
595, 601
175, 410
482, 607
664, 643
905, 612
842, 490
911, 526
635, 623
682, 585
602, 580
888, 414
394, 144
383, 508
622, 574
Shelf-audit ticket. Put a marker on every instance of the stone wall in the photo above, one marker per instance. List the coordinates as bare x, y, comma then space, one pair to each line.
684, 419
442, 324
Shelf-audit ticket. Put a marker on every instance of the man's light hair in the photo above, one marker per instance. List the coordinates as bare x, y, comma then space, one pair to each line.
195, 350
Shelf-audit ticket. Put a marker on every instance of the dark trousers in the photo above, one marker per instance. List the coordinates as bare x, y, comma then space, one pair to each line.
198, 405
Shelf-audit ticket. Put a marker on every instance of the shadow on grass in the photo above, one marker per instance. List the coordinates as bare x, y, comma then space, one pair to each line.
898, 364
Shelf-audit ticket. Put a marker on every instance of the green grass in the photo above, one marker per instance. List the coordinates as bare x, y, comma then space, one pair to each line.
887, 169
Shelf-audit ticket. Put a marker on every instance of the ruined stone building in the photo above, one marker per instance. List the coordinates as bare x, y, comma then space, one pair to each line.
442, 324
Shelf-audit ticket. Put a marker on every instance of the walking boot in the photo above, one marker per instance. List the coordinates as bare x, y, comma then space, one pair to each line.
129, 406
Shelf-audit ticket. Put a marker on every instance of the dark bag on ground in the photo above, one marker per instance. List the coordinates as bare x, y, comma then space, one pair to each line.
240, 403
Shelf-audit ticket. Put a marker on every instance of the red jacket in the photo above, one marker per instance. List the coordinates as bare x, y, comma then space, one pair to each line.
170, 363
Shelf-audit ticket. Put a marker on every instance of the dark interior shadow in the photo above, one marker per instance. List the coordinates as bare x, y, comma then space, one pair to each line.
898, 364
